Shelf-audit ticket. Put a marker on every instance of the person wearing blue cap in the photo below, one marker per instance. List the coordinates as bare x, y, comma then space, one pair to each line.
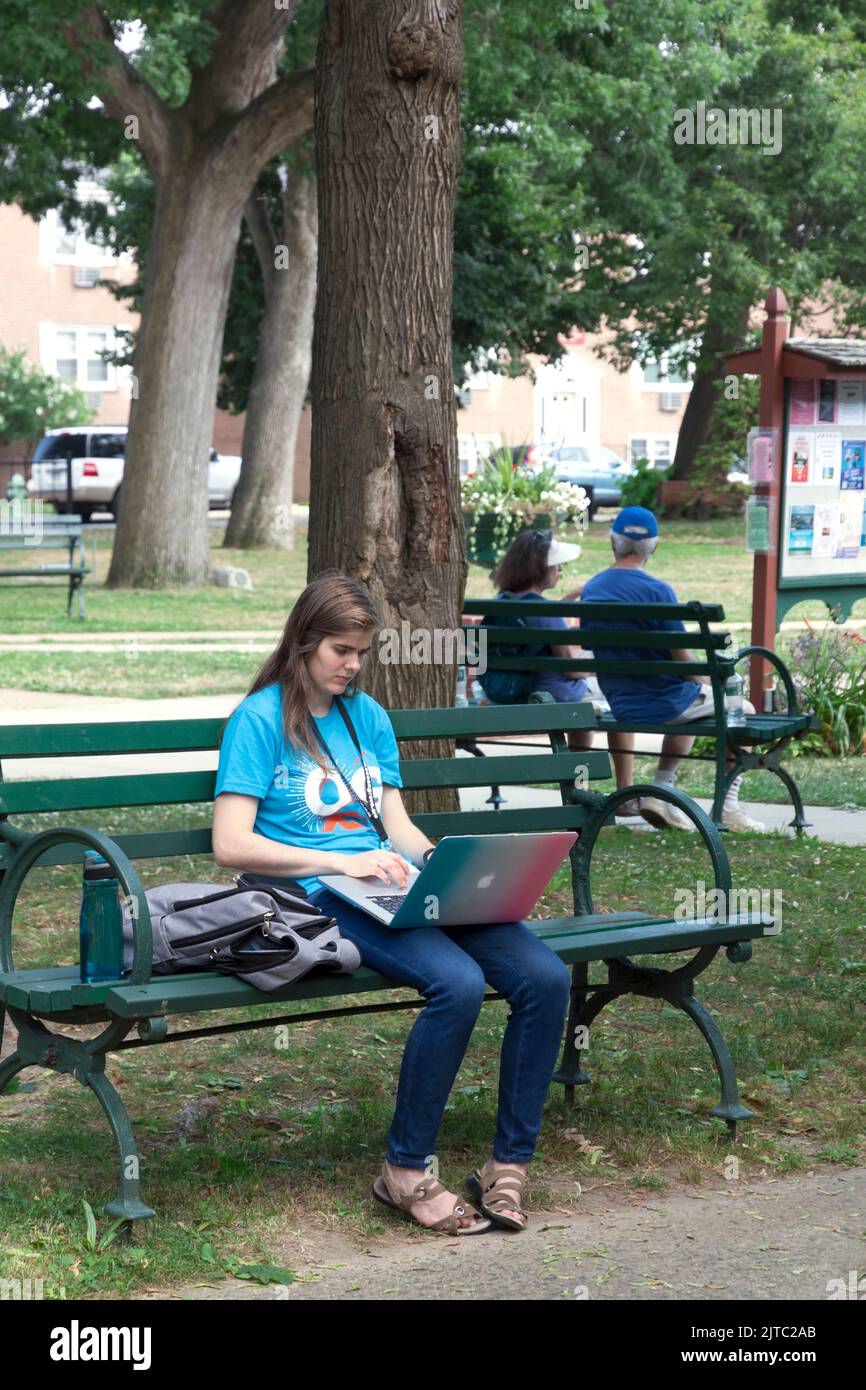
533, 562
653, 699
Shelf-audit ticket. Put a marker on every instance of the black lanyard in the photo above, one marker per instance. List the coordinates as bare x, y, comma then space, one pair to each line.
367, 802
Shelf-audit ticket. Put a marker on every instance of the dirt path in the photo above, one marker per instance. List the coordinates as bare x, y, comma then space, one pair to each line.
773, 1239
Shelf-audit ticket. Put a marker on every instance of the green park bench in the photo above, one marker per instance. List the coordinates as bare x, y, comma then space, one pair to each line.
759, 742
41, 1001
54, 533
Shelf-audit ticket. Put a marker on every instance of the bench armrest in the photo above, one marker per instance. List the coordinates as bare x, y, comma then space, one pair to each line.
34, 846
790, 692
583, 850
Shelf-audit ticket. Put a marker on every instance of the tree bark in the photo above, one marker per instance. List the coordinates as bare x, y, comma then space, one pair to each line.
703, 398
262, 508
384, 499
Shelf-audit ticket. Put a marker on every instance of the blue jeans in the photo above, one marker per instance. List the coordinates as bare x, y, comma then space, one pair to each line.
449, 966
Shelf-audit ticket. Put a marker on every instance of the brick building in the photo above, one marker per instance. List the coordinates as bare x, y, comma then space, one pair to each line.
53, 306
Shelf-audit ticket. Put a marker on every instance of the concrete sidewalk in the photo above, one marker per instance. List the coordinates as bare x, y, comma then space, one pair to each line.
23, 706
769, 1239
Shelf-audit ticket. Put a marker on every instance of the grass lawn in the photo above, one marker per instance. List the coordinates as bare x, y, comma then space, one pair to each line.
837, 782
703, 560
241, 1141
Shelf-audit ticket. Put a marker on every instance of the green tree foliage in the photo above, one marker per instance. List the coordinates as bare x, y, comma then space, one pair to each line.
32, 401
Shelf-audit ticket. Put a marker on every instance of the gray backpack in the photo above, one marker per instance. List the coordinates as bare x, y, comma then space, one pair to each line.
265, 935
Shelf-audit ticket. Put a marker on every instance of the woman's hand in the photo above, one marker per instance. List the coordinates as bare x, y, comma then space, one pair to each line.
374, 863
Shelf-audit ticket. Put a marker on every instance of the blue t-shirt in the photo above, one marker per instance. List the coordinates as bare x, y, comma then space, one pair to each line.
298, 804
650, 699
562, 688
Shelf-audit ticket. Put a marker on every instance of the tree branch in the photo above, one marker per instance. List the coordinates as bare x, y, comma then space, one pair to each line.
128, 93
261, 230
280, 117
245, 56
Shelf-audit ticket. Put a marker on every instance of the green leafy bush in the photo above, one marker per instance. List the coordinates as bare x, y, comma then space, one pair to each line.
829, 672
641, 488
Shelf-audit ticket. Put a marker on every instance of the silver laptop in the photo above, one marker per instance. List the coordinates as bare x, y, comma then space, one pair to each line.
471, 880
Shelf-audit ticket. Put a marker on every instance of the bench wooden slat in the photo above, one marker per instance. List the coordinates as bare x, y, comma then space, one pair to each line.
602, 612
573, 939
509, 770
84, 793
83, 740
709, 641
150, 844
187, 735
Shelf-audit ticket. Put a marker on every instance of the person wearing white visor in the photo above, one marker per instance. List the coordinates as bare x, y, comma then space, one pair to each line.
532, 563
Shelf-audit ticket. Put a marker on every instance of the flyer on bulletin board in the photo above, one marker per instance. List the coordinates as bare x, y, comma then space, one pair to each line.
801, 527
801, 459
853, 451
850, 527
827, 402
826, 529
828, 458
802, 403
851, 403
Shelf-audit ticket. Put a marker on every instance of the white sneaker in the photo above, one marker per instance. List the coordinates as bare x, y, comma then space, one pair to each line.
663, 814
735, 818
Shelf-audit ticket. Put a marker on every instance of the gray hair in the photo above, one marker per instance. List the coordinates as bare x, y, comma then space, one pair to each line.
625, 545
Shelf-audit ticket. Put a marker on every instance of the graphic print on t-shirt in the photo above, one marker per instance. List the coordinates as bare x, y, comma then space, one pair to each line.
321, 801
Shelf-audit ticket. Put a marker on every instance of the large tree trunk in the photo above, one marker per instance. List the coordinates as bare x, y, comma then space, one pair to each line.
697, 422
262, 508
204, 157
162, 531
384, 500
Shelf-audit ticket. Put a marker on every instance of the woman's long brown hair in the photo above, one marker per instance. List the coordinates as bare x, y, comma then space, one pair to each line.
332, 605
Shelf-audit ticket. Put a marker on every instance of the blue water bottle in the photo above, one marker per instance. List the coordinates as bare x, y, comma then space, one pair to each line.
101, 925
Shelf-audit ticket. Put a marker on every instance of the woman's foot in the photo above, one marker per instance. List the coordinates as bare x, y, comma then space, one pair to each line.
403, 1181
505, 1189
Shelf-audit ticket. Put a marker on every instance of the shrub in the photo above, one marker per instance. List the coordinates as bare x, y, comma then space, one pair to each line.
828, 668
641, 488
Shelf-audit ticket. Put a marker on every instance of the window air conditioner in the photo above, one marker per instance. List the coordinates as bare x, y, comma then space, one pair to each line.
86, 276
670, 400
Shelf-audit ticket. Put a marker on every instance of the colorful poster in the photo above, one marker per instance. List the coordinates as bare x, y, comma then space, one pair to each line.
801, 527
828, 456
802, 403
853, 451
801, 458
827, 402
850, 527
850, 403
826, 529
863, 528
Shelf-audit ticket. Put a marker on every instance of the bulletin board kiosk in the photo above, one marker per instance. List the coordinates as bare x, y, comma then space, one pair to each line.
807, 465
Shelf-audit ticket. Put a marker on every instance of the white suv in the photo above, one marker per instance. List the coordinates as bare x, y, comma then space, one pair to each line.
97, 470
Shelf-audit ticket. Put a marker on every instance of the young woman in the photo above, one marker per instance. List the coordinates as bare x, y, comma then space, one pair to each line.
533, 562
308, 765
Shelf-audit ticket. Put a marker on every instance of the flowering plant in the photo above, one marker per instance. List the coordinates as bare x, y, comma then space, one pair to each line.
829, 672
514, 494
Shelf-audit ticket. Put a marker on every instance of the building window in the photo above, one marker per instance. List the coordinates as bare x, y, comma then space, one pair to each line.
68, 244
658, 448
664, 372
75, 354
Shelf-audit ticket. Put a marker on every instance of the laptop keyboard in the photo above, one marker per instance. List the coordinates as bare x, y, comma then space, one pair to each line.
391, 903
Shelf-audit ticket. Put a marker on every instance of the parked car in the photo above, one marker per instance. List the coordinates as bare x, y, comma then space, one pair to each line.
593, 467
97, 470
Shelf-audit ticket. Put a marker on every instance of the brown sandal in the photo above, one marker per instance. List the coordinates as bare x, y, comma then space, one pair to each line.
424, 1192
485, 1181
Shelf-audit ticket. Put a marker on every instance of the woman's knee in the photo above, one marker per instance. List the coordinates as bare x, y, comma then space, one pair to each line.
550, 980
460, 988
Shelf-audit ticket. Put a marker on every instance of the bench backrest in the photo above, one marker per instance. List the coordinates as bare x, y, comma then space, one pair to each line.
551, 762
713, 650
